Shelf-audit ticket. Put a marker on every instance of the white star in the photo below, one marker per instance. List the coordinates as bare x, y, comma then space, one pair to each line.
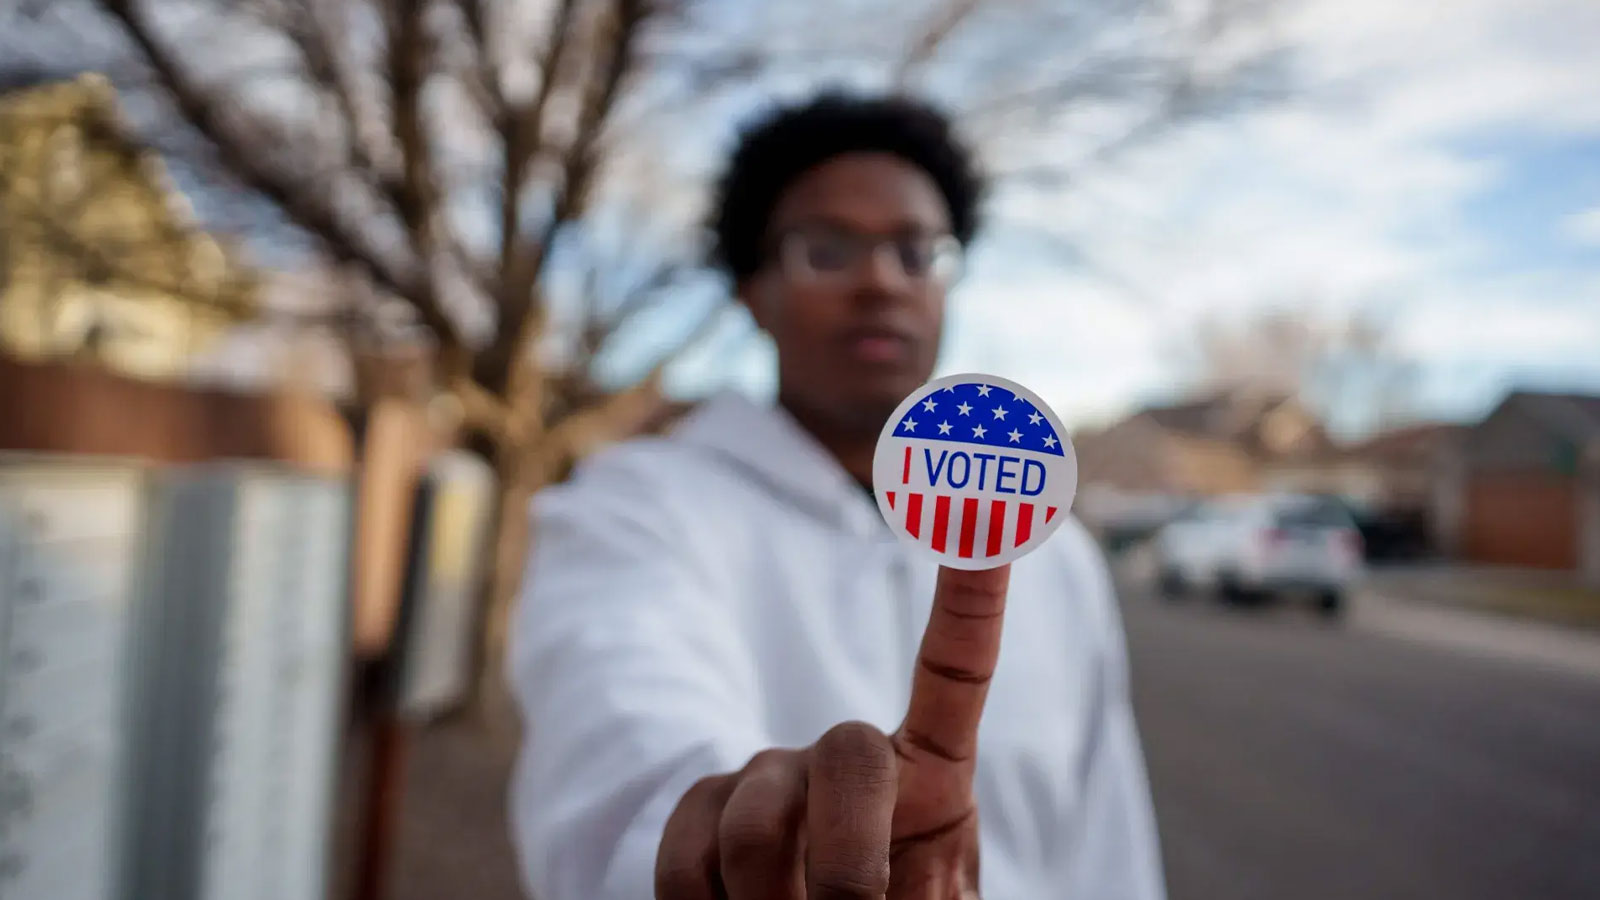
1049, 441
909, 424
1015, 435
929, 404
964, 408
999, 412
983, 390
978, 431
1033, 418
944, 427
951, 389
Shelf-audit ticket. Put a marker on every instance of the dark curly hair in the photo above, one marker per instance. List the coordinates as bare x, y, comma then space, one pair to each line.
791, 140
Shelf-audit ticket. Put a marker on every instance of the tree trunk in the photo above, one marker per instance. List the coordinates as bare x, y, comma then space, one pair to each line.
517, 481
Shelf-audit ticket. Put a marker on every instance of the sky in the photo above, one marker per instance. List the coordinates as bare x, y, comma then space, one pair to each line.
1436, 167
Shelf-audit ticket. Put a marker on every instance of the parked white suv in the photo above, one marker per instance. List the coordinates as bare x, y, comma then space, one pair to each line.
1251, 546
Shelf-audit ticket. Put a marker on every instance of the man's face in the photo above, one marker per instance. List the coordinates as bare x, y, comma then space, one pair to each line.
853, 288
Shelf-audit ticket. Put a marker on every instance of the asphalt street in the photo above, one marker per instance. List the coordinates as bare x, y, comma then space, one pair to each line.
1291, 757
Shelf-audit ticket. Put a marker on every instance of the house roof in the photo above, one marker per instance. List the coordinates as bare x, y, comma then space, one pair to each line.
1220, 414
1139, 455
1270, 423
1412, 443
1573, 416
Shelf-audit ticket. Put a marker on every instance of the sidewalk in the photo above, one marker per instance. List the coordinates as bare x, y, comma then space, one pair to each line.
1537, 618
1554, 598
453, 838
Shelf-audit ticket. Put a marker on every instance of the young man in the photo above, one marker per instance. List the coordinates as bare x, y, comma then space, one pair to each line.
737, 682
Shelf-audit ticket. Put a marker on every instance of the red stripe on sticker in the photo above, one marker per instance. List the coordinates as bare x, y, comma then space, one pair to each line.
891, 498
1024, 522
1049, 513
941, 521
905, 476
997, 527
914, 515
969, 525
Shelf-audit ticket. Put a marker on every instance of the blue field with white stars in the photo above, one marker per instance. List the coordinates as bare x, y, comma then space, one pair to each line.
984, 414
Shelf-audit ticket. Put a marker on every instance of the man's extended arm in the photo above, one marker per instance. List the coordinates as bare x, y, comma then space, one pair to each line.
632, 683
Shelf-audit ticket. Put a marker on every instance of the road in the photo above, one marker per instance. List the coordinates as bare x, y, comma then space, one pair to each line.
1290, 757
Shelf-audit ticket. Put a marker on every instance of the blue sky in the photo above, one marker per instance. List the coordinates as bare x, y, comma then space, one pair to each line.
1524, 214
1438, 166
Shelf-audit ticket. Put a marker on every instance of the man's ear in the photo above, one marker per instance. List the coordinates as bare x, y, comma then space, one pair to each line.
758, 295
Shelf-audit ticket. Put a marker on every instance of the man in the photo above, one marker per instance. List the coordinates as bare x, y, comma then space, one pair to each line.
737, 682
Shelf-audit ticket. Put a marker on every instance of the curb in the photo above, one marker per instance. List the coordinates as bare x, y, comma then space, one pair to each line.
1574, 652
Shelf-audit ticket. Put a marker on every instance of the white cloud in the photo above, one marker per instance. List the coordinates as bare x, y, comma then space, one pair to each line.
1349, 196
1583, 227
1499, 333
1079, 346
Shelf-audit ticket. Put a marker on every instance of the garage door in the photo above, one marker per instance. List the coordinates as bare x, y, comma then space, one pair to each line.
1522, 520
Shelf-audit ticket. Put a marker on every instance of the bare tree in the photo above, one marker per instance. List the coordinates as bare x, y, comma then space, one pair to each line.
472, 159
1346, 365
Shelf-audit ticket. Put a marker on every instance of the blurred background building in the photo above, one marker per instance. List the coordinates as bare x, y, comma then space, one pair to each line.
102, 258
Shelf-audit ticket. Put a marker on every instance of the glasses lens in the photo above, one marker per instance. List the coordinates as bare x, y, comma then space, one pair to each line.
828, 252
825, 252
916, 255
936, 258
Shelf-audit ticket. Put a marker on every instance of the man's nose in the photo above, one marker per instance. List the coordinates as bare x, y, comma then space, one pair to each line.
884, 273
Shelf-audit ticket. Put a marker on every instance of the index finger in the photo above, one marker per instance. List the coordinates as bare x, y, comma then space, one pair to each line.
959, 650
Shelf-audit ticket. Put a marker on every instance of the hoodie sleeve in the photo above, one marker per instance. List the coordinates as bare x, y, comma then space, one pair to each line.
1116, 856
631, 678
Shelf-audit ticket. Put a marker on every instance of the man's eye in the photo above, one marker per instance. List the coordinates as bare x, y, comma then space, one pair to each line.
916, 257
828, 253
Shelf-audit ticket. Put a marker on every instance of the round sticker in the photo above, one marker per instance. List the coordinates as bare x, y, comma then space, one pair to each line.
975, 470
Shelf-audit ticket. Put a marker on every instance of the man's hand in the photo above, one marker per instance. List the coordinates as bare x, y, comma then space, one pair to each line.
858, 814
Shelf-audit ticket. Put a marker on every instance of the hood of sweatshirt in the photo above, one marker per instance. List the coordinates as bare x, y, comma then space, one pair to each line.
769, 447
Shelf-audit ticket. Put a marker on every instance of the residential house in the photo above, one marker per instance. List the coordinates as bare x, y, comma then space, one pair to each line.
1226, 442
99, 258
1522, 487
1134, 473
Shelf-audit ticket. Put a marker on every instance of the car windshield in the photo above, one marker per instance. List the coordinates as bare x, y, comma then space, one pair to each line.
1318, 513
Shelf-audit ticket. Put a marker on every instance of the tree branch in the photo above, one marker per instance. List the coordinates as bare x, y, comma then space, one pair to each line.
369, 151
939, 27
486, 89
518, 326
708, 323
309, 33
606, 420
302, 204
616, 414
520, 130
665, 275
408, 60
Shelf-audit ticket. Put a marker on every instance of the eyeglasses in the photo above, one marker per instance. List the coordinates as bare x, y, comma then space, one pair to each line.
833, 254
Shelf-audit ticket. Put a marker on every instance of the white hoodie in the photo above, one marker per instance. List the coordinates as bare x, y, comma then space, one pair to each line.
692, 600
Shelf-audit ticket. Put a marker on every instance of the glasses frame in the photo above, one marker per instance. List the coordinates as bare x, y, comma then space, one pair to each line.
946, 266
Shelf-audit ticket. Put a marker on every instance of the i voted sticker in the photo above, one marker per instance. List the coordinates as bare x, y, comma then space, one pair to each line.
974, 469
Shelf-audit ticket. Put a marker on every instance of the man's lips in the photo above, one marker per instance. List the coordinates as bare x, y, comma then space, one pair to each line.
878, 345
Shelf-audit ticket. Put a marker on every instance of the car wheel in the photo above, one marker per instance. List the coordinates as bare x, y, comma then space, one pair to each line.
1230, 592
1172, 585
1330, 603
